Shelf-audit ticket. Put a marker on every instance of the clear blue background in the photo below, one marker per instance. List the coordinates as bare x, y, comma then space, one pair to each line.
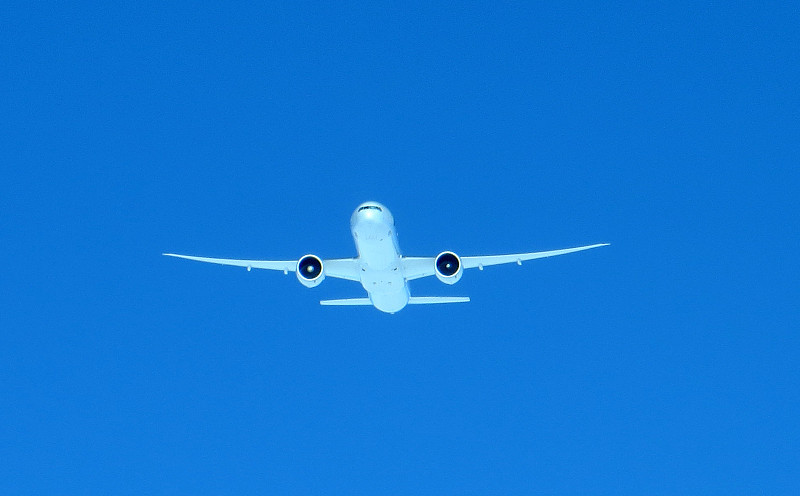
664, 364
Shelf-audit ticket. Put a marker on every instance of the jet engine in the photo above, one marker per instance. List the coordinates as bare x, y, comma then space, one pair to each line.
310, 271
448, 267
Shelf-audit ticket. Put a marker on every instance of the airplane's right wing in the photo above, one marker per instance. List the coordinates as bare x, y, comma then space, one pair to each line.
284, 265
342, 268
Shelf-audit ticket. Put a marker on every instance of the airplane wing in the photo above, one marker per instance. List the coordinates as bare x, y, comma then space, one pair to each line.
342, 268
416, 267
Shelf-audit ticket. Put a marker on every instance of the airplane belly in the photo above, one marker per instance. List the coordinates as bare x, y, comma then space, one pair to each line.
386, 287
379, 256
386, 281
376, 245
390, 302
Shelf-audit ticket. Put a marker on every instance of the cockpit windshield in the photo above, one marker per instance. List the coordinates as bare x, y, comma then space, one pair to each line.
370, 207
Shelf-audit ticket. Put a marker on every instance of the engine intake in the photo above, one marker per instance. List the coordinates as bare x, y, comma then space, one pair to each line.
310, 271
448, 267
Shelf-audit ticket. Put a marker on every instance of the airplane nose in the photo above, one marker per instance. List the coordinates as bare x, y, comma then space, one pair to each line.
368, 211
371, 213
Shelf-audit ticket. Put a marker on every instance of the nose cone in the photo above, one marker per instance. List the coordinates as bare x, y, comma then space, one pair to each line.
371, 213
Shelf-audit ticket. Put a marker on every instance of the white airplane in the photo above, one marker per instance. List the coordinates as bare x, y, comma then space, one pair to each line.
380, 268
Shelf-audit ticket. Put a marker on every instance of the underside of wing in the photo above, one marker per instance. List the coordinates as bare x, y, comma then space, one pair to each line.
284, 265
480, 262
341, 268
417, 267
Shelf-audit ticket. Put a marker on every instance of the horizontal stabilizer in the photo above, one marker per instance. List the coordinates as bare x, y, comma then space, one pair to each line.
428, 300
414, 300
347, 302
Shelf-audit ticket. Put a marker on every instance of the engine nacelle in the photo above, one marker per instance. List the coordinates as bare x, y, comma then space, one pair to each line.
448, 267
310, 271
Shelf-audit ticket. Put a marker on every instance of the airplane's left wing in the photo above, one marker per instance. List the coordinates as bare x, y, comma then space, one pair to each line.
342, 268
416, 267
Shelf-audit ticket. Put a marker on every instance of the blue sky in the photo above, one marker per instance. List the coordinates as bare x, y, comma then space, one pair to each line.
665, 364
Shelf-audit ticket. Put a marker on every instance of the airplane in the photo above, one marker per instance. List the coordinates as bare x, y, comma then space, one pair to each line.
380, 268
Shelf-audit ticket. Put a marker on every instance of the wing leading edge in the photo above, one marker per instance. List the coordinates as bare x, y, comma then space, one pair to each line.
417, 267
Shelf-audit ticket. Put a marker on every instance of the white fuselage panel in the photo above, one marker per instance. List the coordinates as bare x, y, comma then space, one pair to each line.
372, 226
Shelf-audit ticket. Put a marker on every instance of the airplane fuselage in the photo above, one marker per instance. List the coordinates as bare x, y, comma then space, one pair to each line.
372, 226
